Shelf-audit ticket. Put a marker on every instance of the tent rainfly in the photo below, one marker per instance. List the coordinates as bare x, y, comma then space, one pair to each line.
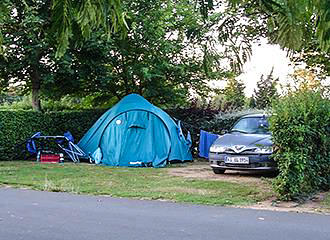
136, 133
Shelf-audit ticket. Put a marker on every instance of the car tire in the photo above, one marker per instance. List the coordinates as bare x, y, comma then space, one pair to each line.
218, 171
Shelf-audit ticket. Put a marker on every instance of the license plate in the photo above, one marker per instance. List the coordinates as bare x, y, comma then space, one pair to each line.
237, 160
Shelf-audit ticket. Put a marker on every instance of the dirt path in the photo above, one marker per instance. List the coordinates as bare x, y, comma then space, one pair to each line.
201, 170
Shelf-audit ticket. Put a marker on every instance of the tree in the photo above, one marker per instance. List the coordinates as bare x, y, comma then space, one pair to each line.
36, 34
299, 26
251, 102
266, 91
297, 23
303, 27
234, 97
68, 19
166, 54
317, 61
305, 80
235, 30
293, 23
170, 49
156, 59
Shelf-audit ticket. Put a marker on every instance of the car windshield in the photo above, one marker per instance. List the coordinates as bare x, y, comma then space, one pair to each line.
252, 125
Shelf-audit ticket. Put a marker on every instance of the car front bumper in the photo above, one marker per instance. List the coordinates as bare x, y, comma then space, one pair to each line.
259, 162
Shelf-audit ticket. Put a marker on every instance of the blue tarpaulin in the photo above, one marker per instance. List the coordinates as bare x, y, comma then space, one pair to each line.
206, 139
136, 133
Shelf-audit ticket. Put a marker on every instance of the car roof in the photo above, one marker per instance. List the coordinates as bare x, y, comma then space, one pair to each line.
256, 115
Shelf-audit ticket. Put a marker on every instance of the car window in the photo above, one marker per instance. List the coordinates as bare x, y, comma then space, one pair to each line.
252, 125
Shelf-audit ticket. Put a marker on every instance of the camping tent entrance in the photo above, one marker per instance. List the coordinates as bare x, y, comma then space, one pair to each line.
137, 138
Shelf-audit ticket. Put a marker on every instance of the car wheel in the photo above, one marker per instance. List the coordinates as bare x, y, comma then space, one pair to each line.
218, 171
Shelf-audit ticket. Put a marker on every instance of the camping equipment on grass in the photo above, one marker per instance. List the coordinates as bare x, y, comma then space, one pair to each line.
50, 157
40, 145
136, 133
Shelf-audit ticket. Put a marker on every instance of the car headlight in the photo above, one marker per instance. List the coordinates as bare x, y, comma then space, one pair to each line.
217, 149
264, 150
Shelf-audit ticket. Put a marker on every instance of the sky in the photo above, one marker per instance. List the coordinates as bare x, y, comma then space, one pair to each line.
264, 58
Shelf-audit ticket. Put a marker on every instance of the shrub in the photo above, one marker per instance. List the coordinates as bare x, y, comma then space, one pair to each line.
300, 125
17, 126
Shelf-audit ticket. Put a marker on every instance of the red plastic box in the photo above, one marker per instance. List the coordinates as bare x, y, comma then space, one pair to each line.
49, 158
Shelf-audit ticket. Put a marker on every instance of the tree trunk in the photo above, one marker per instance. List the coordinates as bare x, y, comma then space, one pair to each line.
35, 78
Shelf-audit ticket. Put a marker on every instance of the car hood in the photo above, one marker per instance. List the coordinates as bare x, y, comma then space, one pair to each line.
248, 140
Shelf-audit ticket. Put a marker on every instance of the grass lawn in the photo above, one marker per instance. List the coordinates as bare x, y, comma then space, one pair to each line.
140, 183
326, 201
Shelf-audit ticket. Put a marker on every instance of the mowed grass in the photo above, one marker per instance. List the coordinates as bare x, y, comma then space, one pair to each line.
326, 201
140, 183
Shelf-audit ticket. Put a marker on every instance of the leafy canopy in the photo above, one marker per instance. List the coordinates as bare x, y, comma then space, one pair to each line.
293, 23
266, 91
234, 94
69, 19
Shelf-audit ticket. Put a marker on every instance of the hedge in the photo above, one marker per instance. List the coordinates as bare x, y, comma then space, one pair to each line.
301, 132
16, 126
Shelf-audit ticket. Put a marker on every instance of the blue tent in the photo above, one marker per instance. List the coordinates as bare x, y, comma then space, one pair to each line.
136, 133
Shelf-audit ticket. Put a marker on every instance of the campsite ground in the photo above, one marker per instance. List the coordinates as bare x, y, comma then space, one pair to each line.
319, 203
191, 183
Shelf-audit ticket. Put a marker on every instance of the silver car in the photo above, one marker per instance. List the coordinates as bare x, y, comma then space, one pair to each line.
247, 146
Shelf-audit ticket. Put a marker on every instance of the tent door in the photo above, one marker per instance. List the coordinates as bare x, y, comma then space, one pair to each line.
141, 138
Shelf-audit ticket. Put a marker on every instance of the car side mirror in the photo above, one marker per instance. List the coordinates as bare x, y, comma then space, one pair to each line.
224, 131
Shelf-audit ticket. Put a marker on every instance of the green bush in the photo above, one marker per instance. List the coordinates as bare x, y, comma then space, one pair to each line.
17, 126
300, 125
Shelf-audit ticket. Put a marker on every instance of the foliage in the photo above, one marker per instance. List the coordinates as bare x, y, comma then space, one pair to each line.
30, 48
155, 60
317, 61
236, 28
17, 126
170, 49
326, 201
299, 26
301, 134
306, 80
22, 103
250, 102
7, 99
65, 20
167, 51
234, 97
304, 27
65, 103
293, 23
218, 101
266, 91
37, 33
62, 104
